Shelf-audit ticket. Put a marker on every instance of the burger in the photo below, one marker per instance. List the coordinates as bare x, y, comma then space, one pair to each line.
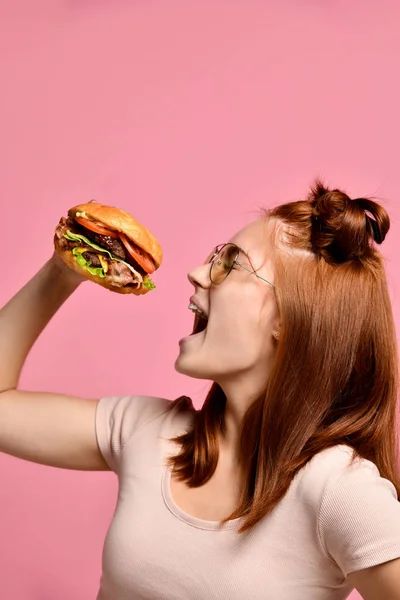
108, 246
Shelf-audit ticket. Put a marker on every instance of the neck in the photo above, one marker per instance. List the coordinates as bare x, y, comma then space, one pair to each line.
240, 395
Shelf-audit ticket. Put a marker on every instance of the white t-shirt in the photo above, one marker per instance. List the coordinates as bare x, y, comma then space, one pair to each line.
334, 519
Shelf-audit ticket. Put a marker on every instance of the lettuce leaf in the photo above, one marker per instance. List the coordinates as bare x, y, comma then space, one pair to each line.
84, 263
77, 237
148, 283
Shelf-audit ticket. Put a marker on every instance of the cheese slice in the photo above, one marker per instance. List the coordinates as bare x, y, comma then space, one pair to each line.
103, 263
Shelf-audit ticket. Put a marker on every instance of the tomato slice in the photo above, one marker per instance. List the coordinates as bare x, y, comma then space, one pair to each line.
138, 254
96, 227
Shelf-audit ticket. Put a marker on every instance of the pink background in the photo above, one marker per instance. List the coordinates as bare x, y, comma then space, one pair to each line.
190, 115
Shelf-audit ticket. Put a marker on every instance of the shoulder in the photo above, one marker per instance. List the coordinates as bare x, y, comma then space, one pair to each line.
338, 471
120, 418
313, 478
132, 413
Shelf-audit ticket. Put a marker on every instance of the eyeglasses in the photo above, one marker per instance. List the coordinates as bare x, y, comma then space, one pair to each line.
223, 259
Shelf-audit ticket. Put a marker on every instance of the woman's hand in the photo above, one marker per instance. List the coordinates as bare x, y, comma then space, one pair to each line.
64, 270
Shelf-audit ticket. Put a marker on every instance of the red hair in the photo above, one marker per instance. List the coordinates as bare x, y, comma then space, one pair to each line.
335, 374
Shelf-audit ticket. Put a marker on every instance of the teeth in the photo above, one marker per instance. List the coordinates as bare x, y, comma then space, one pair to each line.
195, 308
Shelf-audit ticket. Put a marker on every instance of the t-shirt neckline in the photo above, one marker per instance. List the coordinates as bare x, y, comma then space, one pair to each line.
186, 517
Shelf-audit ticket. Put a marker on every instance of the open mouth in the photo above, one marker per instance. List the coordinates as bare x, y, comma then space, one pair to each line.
200, 324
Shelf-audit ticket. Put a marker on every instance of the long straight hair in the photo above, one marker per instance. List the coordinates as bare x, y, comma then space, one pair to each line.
335, 374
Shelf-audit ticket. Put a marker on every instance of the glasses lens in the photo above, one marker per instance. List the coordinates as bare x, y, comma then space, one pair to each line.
223, 262
212, 255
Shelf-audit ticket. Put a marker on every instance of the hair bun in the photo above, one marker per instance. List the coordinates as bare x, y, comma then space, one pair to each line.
341, 228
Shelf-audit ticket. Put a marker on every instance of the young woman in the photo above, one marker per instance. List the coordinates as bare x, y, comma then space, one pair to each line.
284, 485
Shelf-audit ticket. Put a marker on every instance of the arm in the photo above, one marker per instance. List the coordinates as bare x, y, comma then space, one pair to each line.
376, 583
47, 428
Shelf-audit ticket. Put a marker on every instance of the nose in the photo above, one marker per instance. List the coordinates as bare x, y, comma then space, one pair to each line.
200, 276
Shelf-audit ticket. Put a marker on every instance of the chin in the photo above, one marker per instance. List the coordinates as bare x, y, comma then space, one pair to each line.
186, 366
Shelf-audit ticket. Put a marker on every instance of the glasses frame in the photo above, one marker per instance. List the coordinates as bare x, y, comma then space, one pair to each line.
217, 251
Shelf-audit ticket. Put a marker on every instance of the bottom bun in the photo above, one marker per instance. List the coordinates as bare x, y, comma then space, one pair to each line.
69, 259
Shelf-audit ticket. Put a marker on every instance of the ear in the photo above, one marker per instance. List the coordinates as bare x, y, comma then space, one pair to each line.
276, 328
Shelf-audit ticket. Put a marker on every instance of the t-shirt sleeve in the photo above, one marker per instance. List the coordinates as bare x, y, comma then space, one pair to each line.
119, 417
359, 518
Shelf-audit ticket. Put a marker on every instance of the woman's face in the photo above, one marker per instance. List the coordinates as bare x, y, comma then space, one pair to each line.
242, 314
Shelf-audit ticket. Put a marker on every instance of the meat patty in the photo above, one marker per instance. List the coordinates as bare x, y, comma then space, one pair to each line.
120, 274
92, 258
114, 246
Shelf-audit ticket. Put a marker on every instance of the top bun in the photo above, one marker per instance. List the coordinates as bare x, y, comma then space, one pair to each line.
118, 220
